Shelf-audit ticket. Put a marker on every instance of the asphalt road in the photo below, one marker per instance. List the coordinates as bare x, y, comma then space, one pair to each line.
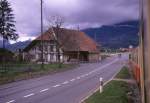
67, 87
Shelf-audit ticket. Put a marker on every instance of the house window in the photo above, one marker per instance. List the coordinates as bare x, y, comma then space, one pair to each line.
33, 56
45, 57
39, 56
52, 57
40, 48
52, 48
45, 48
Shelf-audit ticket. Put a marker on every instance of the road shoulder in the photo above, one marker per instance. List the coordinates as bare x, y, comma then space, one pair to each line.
121, 89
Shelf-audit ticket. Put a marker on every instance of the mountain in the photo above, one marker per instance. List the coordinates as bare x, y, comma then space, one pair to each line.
1, 43
119, 35
16, 46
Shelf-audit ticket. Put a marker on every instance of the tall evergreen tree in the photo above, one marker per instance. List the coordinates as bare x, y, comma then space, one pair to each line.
7, 23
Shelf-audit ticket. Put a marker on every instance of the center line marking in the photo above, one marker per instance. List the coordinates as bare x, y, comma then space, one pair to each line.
90, 73
83, 76
87, 74
28, 95
72, 80
78, 77
10, 101
56, 85
66, 82
44, 90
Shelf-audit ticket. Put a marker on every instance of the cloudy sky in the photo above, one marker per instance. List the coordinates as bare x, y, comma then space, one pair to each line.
85, 13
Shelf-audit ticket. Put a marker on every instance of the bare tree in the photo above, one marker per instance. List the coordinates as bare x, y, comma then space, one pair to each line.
63, 38
57, 22
78, 48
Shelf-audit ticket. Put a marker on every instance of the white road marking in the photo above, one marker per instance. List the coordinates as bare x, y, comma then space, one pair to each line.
10, 101
58, 85
66, 82
78, 77
93, 91
44, 90
95, 70
86, 74
28, 95
108, 64
90, 73
82, 76
72, 80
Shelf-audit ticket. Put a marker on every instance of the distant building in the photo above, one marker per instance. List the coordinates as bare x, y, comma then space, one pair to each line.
73, 45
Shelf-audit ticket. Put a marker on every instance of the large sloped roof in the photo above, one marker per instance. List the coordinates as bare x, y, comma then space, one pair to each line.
48, 35
69, 40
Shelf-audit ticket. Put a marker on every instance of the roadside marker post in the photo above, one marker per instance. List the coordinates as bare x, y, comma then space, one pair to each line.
101, 85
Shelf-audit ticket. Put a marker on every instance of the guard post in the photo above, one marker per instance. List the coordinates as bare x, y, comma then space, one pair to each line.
101, 84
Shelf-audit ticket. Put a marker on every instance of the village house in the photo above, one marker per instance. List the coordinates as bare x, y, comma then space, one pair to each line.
63, 44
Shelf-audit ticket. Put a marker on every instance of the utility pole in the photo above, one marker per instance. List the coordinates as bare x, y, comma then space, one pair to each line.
42, 66
141, 50
78, 47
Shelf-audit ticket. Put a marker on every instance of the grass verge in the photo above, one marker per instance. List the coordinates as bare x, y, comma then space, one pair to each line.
24, 71
124, 74
114, 92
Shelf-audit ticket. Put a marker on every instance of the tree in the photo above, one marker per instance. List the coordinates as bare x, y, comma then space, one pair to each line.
57, 23
7, 26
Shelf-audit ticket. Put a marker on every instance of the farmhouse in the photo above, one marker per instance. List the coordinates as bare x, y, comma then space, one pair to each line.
62, 45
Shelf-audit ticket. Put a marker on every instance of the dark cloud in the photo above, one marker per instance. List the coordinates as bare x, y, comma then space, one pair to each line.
86, 13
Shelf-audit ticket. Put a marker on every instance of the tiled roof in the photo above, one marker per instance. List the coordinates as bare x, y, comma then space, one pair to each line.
48, 35
70, 40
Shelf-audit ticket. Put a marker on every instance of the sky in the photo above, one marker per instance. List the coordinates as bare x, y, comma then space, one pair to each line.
82, 13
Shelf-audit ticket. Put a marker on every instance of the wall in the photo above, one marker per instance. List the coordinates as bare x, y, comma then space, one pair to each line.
94, 57
49, 53
147, 50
